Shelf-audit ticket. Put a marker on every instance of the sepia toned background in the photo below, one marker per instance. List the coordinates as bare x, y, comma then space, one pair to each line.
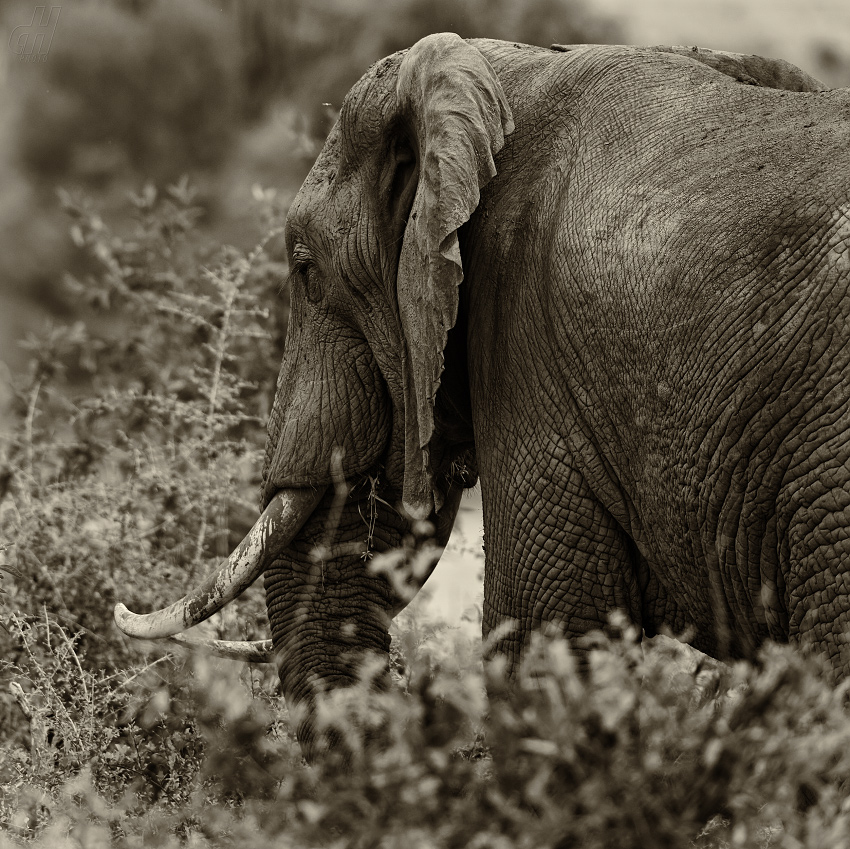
149, 150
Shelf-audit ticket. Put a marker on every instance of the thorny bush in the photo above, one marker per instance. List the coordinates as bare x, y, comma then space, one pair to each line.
129, 467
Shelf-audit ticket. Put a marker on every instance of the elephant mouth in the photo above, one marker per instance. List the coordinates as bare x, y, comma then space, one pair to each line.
275, 529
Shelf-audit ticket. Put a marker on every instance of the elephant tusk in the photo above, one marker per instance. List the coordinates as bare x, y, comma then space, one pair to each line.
272, 532
246, 651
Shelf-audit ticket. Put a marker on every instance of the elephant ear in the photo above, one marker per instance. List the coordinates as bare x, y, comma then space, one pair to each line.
454, 104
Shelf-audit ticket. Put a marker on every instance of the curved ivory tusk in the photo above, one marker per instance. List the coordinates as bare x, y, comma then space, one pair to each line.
247, 651
273, 531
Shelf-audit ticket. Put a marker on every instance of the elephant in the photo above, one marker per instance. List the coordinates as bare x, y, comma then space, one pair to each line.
609, 283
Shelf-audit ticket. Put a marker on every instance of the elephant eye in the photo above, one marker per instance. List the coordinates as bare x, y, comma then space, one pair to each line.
306, 270
310, 278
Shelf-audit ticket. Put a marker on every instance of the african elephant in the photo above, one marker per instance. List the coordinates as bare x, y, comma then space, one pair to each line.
613, 283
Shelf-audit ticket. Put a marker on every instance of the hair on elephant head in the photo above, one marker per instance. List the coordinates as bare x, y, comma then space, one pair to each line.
612, 282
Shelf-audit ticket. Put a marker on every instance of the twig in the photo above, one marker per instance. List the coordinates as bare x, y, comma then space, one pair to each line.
139, 672
28, 426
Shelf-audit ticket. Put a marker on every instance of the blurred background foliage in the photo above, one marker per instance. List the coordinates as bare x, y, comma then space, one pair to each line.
152, 90
234, 93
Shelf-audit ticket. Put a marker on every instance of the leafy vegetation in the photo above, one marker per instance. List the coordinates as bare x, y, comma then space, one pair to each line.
132, 467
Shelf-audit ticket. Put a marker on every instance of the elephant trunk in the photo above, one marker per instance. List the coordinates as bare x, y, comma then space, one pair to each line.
330, 607
329, 611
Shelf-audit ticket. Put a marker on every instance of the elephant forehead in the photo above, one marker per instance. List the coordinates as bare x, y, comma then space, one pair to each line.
366, 110
312, 203
326, 212
359, 132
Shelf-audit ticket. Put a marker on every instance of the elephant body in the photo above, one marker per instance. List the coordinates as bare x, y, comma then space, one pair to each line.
657, 288
614, 284
648, 364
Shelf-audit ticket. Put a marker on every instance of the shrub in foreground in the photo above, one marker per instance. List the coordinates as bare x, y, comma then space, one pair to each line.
632, 754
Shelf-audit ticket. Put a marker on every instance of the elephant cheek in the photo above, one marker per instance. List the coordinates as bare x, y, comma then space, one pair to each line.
347, 414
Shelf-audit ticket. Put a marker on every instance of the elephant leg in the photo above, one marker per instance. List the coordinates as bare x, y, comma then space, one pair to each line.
817, 552
554, 555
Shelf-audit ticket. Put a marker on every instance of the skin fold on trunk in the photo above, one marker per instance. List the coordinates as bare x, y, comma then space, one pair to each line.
272, 532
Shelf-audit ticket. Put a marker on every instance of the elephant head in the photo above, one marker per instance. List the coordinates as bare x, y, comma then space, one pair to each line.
364, 443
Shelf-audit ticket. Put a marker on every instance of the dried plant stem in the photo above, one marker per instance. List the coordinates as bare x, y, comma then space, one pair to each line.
221, 348
28, 425
199, 545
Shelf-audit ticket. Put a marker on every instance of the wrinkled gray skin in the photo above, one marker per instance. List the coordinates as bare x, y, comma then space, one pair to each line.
641, 347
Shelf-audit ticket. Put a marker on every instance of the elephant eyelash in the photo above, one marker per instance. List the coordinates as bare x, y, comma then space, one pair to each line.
286, 283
